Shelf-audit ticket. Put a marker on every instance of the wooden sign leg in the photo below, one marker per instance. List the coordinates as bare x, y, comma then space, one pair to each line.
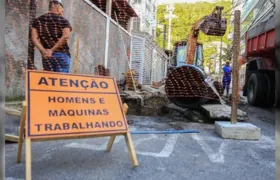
28, 173
112, 138
129, 143
110, 143
21, 132
131, 150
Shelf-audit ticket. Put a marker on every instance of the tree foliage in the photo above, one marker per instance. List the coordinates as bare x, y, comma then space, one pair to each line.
208, 62
227, 53
187, 14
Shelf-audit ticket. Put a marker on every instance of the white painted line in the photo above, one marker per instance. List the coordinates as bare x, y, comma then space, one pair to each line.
91, 146
165, 152
95, 147
267, 139
253, 154
139, 140
263, 140
261, 160
213, 157
46, 155
266, 146
11, 178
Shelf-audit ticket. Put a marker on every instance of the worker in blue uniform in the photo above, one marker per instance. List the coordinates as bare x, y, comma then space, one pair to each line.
227, 76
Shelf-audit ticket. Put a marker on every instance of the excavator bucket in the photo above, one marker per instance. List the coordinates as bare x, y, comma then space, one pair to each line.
186, 87
214, 24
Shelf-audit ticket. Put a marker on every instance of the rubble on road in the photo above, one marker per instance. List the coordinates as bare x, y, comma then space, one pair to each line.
153, 102
242, 100
147, 102
221, 112
177, 113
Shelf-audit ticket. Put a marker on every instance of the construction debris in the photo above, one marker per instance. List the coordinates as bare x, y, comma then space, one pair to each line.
100, 70
129, 80
152, 102
177, 113
221, 112
157, 85
144, 103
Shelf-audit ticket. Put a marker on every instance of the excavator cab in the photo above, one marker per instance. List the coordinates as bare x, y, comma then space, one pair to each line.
180, 54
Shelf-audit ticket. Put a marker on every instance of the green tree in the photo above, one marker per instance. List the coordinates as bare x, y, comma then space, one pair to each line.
208, 55
187, 14
227, 53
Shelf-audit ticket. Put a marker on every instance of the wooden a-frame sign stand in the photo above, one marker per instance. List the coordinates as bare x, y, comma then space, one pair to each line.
28, 172
105, 99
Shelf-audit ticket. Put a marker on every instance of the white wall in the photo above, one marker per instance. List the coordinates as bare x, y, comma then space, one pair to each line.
145, 16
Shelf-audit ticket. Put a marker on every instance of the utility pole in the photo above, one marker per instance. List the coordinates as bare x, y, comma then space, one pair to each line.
170, 9
164, 36
236, 52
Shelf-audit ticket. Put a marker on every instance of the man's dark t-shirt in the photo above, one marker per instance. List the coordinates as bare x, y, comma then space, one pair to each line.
50, 27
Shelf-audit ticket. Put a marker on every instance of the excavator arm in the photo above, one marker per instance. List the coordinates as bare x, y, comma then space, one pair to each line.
212, 25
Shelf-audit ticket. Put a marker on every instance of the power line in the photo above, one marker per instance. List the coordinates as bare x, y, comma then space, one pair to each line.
272, 2
259, 19
237, 4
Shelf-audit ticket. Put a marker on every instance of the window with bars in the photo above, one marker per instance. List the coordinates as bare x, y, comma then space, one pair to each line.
136, 24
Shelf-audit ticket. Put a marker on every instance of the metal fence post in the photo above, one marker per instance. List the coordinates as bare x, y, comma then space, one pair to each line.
107, 42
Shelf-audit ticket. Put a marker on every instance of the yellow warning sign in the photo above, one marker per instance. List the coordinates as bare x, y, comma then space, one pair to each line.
70, 105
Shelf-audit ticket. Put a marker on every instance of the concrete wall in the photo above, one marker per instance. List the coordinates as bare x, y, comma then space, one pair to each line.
88, 24
118, 45
16, 46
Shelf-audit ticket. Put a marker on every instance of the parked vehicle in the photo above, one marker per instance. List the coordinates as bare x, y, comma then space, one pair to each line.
259, 84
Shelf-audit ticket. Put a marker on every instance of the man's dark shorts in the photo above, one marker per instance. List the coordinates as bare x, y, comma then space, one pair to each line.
59, 62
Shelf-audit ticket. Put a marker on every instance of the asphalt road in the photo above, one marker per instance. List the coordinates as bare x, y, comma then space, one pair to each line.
175, 156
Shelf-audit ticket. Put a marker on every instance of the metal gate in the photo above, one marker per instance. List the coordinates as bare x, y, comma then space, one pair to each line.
147, 59
137, 56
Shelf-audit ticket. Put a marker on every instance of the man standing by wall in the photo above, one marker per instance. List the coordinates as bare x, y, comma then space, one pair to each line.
50, 33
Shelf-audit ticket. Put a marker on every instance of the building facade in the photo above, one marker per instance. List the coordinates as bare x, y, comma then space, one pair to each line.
146, 20
253, 12
96, 39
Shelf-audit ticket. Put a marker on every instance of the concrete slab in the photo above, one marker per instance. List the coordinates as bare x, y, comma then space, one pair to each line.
222, 112
242, 131
149, 89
